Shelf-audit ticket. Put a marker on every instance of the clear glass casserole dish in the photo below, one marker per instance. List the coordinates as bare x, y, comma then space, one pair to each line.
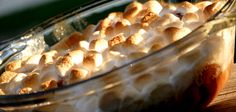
182, 76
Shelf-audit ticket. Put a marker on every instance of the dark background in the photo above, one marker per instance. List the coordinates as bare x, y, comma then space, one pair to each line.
17, 16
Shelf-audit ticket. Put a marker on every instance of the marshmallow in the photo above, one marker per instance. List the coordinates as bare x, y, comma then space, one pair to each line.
32, 81
186, 7
25, 90
134, 39
174, 34
48, 57
77, 56
148, 18
15, 84
132, 11
83, 45
167, 9
190, 17
77, 74
64, 64
98, 45
93, 59
49, 85
153, 6
116, 40
6, 76
115, 16
31, 63
164, 20
14, 66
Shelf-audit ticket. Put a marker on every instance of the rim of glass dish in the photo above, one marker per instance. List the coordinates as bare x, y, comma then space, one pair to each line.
64, 16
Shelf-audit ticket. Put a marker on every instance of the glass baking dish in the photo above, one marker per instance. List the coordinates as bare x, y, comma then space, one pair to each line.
183, 76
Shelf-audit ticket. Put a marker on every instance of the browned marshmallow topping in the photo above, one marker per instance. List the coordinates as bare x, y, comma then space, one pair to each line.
119, 38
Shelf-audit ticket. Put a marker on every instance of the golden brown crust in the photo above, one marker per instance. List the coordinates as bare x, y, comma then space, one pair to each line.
14, 65
116, 40
7, 76
78, 74
148, 18
49, 84
64, 64
25, 90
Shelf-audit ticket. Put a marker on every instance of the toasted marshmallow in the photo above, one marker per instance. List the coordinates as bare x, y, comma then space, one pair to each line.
83, 45
132, 11
148, 18
48, 57
116, 40
153, 6
186, 7
190, 17
77, 56
115, 15
25, 90
164, 20
14, 65
93, 59
167, 9
7, 76
15, 84
98, 45
49, 72
32, 62
78, 74
32, 80
49, 84
174, 34
103, 24
64, 65
134, 39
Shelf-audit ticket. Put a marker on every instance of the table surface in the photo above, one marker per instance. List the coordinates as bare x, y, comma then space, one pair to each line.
226, 100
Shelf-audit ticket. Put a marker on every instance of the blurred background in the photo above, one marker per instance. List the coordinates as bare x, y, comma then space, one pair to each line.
17, 16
